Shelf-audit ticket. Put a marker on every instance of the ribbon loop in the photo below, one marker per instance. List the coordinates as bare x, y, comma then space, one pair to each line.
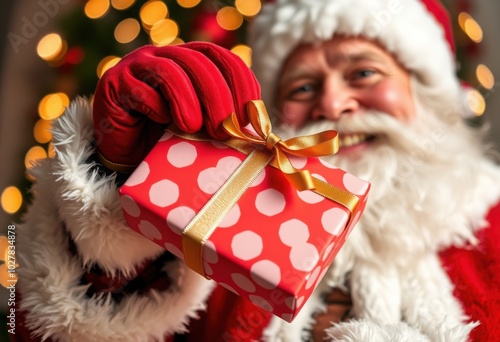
315, 145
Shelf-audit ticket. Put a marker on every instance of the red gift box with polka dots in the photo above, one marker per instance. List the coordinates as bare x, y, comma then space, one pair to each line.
273, 247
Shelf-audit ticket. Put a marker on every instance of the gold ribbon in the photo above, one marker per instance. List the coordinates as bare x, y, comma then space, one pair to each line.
275, 151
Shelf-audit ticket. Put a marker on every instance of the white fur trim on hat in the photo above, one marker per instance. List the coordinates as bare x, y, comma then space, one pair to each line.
404, 27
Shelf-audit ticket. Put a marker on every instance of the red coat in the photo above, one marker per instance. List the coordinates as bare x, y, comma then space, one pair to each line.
475, 271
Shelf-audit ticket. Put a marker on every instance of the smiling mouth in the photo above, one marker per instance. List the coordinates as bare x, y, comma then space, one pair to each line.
352, 139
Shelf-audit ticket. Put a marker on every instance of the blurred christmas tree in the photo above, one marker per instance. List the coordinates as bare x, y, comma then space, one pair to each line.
97, 33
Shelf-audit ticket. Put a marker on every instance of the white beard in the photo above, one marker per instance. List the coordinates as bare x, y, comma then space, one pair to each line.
432, 185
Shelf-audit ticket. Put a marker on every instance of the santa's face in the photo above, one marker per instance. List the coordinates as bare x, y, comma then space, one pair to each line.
342, 77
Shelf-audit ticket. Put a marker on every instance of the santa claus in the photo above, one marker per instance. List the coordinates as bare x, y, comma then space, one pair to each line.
423, 263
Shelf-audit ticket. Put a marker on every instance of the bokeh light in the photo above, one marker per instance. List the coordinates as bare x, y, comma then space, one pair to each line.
164, 32
485, 76
188, 3
51, 151
122, 4
35, 153
95, 9
229, 18
248, 8
127, 30
41, 131
470, 27
6, 278
53, 105
50, 47
244, 52
476, 102
105, 64
152, 12
11, 199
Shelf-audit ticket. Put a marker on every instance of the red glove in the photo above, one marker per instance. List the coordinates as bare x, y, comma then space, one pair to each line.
195, 85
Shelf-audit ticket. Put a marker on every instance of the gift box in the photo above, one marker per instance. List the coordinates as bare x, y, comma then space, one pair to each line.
256, 233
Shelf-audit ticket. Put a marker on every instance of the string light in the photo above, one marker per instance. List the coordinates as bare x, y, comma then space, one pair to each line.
35, 153
105, 64
50, 47
244, 52
470, 27
476, 101
485, 76
95, 9
164, 32
11, 200
41, 131
248, 8
127, 30
53, 105
122, 4
229, 18
152, 12
188, 3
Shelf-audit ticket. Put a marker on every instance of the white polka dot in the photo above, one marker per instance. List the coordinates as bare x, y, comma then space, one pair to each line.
327, 164
334, 221
129, 206
312, 277
293, 232
321, 276
167, 135
211, 179
164, 193
139, 175
328, 250
310, 196
261, 302
300, 301
266, 273
259, 178
354, 184
149, 230
297, 162
226, 286
246, 245
210, 252
231, 218
270, 202
182, 154
178, 218
290, 302
304, 257
207, 269
243, 282
174, 250
287, 317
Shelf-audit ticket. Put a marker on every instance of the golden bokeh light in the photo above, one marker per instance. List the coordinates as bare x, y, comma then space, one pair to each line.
153, 12
41, 131
485, 76
470, 26
52, 106
248, 8
127, 30
229, 18
244, 52
105, 64
122, 4
35, 153
4, 246
50, 47
188, 3
95, 9
476, 102
177, 41
164, 32
11, 199
51, 151
6, 278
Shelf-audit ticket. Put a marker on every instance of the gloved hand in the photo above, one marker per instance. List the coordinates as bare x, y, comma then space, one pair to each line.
196, 85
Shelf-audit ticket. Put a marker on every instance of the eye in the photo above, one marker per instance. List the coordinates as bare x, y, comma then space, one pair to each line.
363, 73
301, 92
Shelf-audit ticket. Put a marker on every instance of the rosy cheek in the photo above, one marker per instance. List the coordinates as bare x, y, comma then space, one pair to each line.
294, 114
395, 101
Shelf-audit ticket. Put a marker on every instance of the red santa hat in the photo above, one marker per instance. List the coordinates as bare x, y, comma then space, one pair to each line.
417, 32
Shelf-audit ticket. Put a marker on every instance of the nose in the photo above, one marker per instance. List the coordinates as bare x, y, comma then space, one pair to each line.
335, 100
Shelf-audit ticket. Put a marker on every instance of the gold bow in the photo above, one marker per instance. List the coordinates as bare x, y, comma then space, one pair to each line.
315, 145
